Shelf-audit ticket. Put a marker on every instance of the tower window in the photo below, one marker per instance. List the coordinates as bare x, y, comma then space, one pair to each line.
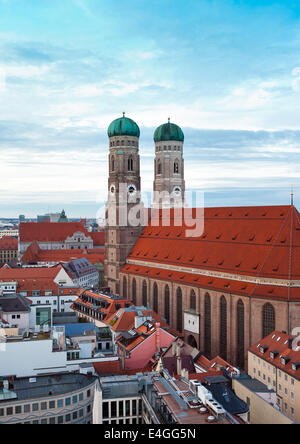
165, 148
128, 143
159, 168
133, 144
113, 164
176, 168
130, 164
169, 148
122, 142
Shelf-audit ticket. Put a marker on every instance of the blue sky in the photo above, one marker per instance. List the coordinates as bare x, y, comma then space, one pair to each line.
228, 72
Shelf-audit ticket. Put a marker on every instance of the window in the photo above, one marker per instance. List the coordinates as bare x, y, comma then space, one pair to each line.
134, 291
52, 405
121, 408
68, 418
113, 407
113, 163
18, 409
124, 287
60, 403
27, 408
68, 401
207, 325
240, 334
43, 405
159, 168
155, 298
105, 410
130, 164
145, 296
167, 304
176, 168
223, 328
268, 321
179, 309
193, 301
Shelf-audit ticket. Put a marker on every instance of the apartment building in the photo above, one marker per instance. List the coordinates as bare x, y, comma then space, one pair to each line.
8, 250
61, 399
275, 361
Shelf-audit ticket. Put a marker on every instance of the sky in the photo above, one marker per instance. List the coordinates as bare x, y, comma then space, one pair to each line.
227, 72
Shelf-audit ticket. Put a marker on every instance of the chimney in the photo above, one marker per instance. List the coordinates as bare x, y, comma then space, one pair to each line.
173, 348
178, 351
157, 326
179, 365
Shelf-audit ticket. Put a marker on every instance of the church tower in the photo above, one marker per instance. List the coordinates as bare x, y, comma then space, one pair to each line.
124, 186
169, 184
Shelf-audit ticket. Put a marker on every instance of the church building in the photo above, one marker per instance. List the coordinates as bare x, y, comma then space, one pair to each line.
224, 289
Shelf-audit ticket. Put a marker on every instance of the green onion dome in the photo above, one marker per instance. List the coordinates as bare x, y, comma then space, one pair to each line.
123, 127
168, 131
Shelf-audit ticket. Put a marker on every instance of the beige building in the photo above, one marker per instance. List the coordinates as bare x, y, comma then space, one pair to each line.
275, 362
261, 402
8, 250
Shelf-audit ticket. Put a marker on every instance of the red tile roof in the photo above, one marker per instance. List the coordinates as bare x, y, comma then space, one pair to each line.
30, 279
281, 344
112, 305
252, 241
8, 243
49, 231
107, 367
15, 274
213, 364
216, 284
124, 320
98, 237
35, 254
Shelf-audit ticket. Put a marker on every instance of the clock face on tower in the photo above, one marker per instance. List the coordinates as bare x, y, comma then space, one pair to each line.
131, 189
177, 190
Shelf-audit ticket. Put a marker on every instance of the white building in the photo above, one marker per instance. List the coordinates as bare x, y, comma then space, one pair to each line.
46, 351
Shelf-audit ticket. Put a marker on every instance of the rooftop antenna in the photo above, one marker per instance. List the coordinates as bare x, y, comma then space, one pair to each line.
123, 113
292, 196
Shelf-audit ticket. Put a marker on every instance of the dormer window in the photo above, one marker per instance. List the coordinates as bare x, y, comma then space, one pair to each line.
295, 366
274, 354
285, 360
263, 349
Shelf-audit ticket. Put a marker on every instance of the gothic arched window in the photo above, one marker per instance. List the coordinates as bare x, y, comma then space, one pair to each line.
113, 163
167, 304
176, 167
134, 291
130, 164
179, 309
268, 319
193, 301
159, 168
207, 326
124, 287
145, 294
223, 328
240, 334
155, 297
